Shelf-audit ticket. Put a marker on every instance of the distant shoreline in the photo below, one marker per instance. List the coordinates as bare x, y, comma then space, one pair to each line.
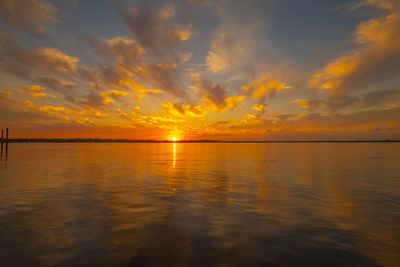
94, 140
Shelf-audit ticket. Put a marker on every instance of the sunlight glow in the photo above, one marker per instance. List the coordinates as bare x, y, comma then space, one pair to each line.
174, 139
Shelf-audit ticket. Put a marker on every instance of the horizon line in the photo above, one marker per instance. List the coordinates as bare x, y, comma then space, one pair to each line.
122, 140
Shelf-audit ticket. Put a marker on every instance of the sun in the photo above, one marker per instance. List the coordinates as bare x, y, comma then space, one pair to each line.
174, 139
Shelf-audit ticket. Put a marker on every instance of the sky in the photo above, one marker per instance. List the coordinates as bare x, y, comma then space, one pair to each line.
200, 69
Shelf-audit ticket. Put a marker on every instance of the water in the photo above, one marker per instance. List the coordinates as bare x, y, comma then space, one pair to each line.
200, 204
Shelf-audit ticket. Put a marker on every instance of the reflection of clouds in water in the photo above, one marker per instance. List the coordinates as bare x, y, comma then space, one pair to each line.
234, 204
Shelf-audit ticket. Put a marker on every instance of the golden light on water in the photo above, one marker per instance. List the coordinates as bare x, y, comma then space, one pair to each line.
174, 154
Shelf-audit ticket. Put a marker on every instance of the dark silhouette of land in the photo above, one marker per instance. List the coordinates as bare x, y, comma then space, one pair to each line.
96, 140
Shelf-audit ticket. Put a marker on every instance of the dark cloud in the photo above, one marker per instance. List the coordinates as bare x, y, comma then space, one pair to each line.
57, 84
91, 99
88, 74
9, 48
111, 76
153, 28
163, 75
211, 91
20, 63
336, 103
28, 15
18, 70
348, 120
376, 97
215, 94
339, 102
283, 117
125, 51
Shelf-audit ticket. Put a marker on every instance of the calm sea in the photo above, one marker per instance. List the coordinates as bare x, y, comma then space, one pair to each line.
200, 204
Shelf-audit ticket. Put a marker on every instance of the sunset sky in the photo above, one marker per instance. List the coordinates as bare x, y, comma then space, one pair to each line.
206, 69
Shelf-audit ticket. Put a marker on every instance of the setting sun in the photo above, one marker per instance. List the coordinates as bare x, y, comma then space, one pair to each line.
174, 139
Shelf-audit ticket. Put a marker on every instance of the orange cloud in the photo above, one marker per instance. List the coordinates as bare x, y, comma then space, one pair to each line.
181, 110
259, 107
392, 106
39, 95
51, 59
379, 41
310, 104
265, 86
140, 90
34, 88
111, 96
66, 111
330, 76
35, 91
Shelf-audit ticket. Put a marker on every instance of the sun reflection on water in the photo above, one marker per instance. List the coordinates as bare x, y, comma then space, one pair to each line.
173, 154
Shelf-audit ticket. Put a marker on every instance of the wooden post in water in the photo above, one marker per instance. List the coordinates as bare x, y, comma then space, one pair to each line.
6, 142
2, 133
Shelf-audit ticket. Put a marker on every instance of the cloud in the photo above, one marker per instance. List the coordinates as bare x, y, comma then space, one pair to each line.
35, 65
20, 63
127, 51
28, 15
36, 91
376, 97
215, 94
13, 113
161, 76
226, 53
50, 59
153, 28
281, 117
376, 58
88, 74
33, 88
130, 72
310, 104
265, 86
95, 99
57, 84
49, 109
122, 79
260, 107
365, 100
330, 76
234, 43
338, 102
39, 95
335, 103
391, 106
9, 47
112, 96
11, 53
91, 99
181, 110
350, 119
120, 49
